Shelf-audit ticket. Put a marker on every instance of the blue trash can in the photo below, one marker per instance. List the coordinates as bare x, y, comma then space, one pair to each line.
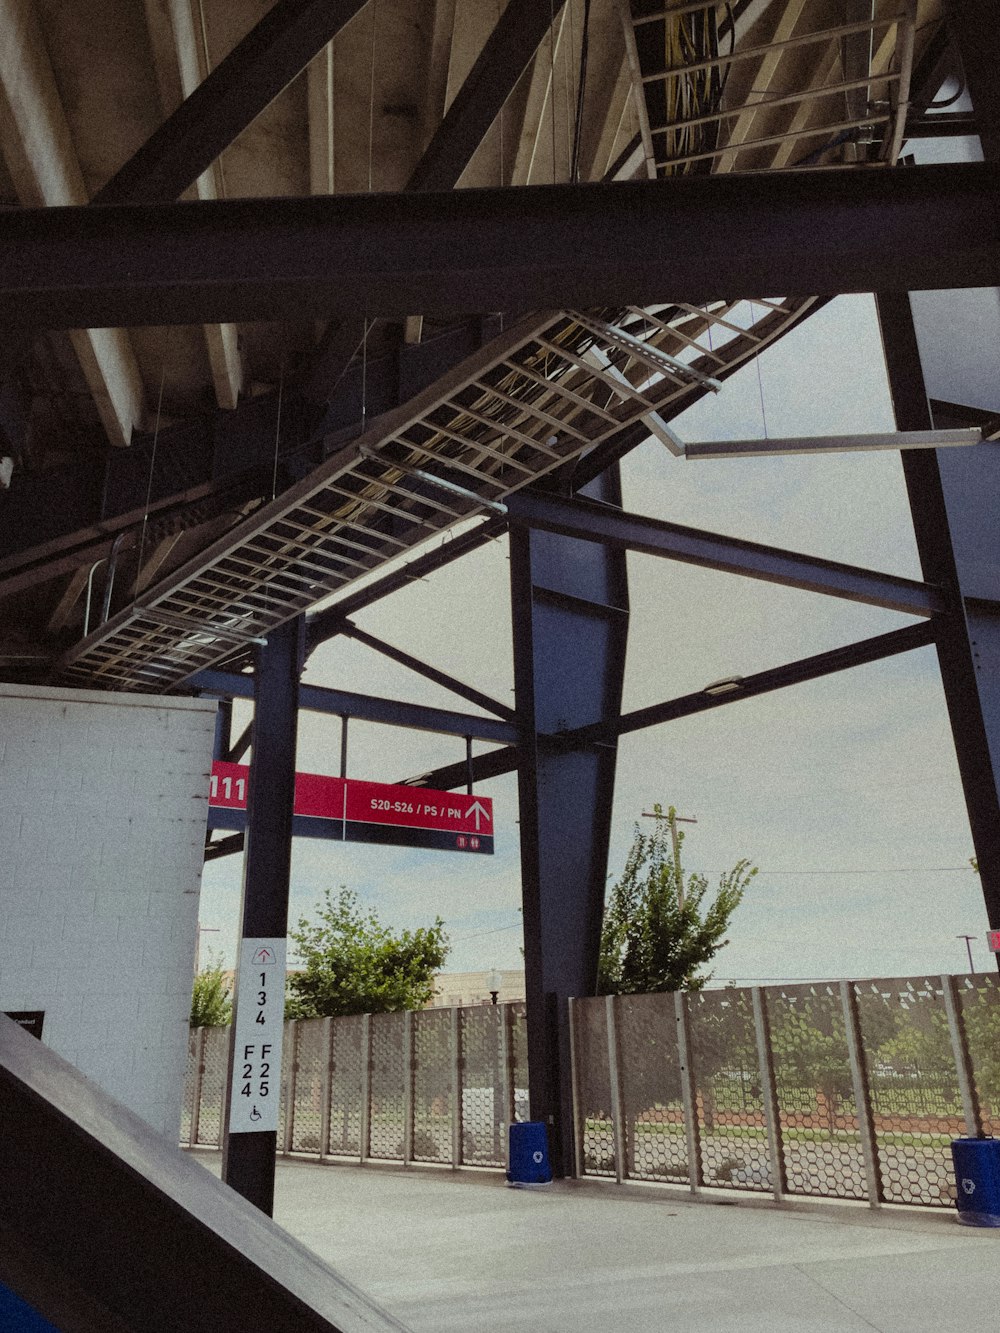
977, 1180
528, 1155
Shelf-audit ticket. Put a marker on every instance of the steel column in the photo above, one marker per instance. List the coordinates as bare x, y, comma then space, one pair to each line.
570, 618
952, 496
248, 1159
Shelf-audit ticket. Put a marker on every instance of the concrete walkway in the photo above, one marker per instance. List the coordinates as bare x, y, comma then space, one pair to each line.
461, 1251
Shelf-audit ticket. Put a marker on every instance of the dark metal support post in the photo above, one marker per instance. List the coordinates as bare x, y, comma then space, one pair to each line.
570, 617
952, 495
248, 1158
223, 730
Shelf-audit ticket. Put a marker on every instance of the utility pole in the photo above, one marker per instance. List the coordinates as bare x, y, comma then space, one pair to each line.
673, 819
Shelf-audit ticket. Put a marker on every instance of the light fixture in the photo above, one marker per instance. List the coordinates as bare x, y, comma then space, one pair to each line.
834, 444
727, 685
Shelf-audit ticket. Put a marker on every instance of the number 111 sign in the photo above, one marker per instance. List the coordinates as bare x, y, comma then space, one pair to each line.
260, 1014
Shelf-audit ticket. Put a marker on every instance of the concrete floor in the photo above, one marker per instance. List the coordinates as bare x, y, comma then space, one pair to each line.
461, 1251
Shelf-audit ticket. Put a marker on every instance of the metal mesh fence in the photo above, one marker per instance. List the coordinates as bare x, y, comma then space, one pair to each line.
287, 1082
593, 1088
651, 1096
979, 1005
309, 1070
213, 1085
387, 1130
432, 1085
192, 1090
914, 1095
732, 1132
482, 1081
517, 1020
915, 1099
348, 1060
820, 1131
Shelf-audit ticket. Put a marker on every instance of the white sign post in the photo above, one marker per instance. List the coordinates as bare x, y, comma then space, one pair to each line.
260, 1018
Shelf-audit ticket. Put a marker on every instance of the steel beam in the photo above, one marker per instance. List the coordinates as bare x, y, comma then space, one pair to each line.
229, 846
973, 28
394, 654
952, 497
570, 619
248, 1158
508, 51
366, 707
540, 247
497, 762
763, 682
239, 88
635, 532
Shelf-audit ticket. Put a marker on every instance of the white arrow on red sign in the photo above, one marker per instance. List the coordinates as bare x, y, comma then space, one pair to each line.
478, 810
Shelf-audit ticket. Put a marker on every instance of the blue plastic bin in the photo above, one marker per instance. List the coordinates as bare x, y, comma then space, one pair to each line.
977, 1179
528, 1154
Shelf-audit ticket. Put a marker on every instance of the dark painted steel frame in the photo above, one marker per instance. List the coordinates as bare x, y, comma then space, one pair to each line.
875, 649
248, 1159
732, 555
539, 247
570, 622
366, 708
955, 528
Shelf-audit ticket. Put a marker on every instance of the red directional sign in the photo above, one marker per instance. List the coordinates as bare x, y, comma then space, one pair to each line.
355, 811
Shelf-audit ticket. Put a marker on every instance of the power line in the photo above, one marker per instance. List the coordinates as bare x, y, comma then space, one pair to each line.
890, 870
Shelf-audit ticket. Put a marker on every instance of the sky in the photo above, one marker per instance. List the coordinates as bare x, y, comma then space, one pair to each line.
843, 791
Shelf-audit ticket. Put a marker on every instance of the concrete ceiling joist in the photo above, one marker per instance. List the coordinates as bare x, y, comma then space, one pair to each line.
38, 148
180, 67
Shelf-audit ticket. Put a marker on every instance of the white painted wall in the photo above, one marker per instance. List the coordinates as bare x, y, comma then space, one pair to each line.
103, 801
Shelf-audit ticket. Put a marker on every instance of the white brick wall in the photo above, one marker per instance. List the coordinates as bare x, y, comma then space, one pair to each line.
103, 803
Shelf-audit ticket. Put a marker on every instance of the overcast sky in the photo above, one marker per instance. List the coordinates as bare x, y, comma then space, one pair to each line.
845, 791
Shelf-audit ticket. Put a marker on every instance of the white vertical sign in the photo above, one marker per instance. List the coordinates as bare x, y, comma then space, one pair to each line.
260, 1017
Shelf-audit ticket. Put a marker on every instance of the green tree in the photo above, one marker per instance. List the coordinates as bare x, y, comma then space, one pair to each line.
211, 1001
355, 965
658, 929
810, 1049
